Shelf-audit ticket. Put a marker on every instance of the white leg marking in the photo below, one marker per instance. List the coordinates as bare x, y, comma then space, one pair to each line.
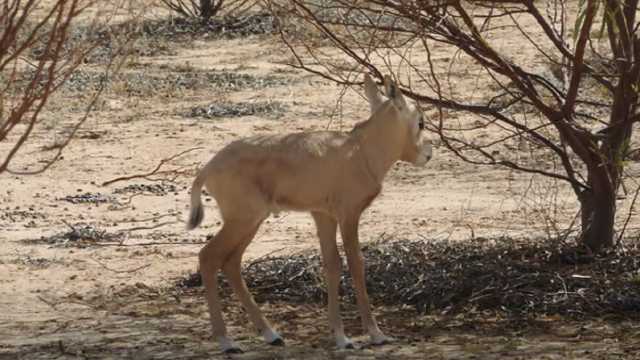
343, 342
378, 337
272, 337
227, 345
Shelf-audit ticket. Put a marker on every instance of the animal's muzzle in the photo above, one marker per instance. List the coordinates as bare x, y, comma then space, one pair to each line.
424, 155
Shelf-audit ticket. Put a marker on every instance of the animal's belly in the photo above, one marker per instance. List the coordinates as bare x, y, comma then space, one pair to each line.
298, 188
300, 201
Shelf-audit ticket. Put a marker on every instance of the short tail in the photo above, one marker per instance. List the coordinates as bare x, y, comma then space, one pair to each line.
196, 213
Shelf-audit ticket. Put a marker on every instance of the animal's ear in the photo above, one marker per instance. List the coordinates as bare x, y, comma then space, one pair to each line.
372, 93
393, 92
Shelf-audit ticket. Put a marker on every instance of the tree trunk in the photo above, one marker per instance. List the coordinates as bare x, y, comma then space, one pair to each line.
206, 10
598, 209
598, 205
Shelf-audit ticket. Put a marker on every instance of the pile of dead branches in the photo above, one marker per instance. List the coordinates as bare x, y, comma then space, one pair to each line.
514, 278
227, 27
79, 235
218, 109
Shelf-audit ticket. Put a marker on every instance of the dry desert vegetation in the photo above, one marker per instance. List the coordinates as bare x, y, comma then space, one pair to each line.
463, 261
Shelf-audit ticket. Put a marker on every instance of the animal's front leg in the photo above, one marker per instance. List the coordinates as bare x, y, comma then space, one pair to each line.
332, 264
349, 231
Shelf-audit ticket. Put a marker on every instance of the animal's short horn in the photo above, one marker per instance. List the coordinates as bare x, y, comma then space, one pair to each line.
390, 87
393, 92
372, 93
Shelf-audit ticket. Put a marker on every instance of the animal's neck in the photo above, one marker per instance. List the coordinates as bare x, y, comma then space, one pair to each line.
381, 142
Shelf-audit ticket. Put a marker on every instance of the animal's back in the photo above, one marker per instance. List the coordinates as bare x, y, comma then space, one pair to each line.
298, 171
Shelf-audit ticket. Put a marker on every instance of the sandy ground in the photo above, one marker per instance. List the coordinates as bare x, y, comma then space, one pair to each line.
115, 299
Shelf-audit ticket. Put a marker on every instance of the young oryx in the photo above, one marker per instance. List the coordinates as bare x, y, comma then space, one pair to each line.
333, 175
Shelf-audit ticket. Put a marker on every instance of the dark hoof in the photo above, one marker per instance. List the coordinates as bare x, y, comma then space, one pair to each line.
234, 350
380, 343
277, 342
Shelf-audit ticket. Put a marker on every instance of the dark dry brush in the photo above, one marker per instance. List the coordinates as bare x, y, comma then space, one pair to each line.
155, 81
154, 37
16, 215
79, 235
33, 262
215, 28
514, 278
154, 189
238, 109
152, 81
87, 198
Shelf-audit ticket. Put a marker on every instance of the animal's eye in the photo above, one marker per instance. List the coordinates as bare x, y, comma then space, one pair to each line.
421, 123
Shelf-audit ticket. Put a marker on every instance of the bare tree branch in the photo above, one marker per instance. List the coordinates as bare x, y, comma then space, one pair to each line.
555, 109
156, 170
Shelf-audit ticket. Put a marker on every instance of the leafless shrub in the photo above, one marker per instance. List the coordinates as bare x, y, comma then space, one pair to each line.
206, 9
203, 9
575, 114
36, 45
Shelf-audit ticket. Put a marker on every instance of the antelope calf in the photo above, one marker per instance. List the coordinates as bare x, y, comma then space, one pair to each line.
333, 175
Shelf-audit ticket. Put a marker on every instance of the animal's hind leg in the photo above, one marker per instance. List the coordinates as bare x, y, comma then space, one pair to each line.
232, 269
212, 257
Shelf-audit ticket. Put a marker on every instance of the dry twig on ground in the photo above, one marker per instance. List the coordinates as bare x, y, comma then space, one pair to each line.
156, 174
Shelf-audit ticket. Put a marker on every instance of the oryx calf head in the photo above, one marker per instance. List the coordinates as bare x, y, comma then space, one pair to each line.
417, 150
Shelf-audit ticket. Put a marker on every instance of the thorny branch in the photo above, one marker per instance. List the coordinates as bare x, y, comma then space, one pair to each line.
164, 175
